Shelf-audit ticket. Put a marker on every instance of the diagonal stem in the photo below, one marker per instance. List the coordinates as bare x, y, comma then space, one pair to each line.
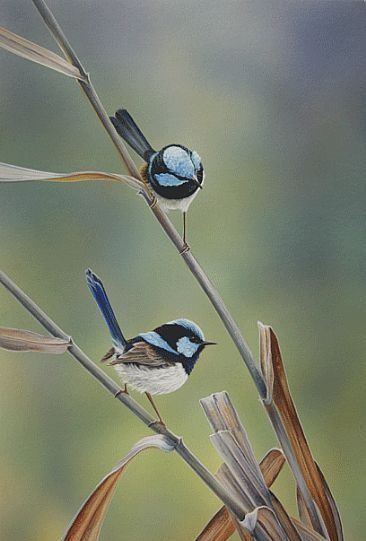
108, 383
191, 262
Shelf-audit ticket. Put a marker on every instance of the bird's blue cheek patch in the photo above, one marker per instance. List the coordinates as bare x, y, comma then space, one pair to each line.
186, 347
166, 179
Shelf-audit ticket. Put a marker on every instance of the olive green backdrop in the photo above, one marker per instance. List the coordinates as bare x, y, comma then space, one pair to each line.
270, 94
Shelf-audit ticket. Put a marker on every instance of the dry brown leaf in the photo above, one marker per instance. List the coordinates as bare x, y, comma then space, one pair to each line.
221, 527
22, 340
284, 519
286, 407
13, 173
87, 524
31, 51
271, 465
307, 534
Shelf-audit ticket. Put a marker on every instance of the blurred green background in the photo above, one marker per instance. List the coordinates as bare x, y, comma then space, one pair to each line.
270, 94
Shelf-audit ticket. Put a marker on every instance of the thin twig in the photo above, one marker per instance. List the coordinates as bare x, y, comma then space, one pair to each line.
193, 265
108, 383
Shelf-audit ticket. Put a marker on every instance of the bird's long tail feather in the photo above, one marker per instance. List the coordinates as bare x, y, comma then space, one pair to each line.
127, 128
99, 293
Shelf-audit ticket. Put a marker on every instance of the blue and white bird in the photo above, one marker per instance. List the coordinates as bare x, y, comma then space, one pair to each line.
155, 362
174, 173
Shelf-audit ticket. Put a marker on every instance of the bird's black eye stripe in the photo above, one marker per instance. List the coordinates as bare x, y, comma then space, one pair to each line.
171, 333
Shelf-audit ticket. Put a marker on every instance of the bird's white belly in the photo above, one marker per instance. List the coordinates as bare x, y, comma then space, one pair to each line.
152, 380
177, 204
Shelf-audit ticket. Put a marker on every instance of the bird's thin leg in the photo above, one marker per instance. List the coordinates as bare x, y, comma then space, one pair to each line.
155, 408
184, 227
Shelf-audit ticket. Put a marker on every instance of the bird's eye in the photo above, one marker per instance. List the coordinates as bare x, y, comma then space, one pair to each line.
200, 175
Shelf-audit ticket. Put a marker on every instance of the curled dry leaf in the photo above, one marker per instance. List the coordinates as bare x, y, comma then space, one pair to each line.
22, 340
286, 407
87, 524
13, 173
31, 51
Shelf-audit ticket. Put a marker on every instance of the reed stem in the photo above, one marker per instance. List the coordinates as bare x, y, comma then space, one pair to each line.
191, 262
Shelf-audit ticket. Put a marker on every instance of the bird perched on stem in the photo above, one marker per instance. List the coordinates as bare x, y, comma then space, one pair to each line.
155, 362
174, 173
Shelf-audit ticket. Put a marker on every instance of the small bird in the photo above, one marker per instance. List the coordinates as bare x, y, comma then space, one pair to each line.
174, 173
155, 362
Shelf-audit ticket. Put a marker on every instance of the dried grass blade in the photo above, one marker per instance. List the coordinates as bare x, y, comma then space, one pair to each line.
223, 416
241, 468
221, 525
13, 173
88, 522
286, 407
333, 505
23, 340
284, 519
307, 534
35, 53
265, 357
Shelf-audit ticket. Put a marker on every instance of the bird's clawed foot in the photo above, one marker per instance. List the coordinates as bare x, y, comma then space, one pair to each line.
186, 248
121, 391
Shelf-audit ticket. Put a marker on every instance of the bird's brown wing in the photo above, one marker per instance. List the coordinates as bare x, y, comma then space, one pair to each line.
143, 354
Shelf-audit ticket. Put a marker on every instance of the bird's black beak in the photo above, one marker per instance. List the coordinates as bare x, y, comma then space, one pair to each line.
196, 181
206, 343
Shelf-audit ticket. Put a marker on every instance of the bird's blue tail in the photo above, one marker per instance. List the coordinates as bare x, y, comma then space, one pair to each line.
99, 293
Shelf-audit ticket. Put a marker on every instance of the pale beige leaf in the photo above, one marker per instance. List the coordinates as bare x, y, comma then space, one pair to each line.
286, 407
87, 524
31, 51
22, 340
13, 173
223, 417
265, 357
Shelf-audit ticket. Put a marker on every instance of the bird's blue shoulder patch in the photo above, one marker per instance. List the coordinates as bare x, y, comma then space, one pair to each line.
156, 340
